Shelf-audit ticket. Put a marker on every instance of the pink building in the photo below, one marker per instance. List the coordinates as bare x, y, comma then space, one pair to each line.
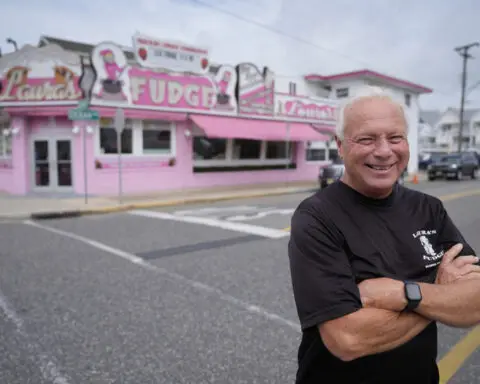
222, 127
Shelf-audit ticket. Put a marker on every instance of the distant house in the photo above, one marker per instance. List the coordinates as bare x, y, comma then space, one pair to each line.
448, 129
428, 130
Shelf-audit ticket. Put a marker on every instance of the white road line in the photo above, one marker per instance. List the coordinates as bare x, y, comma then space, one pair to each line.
237, 227
172, 275
207, 211
49, 370
261, 214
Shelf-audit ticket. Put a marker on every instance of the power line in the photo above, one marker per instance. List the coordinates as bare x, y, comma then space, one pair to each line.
472, 88
296, 38
280, 32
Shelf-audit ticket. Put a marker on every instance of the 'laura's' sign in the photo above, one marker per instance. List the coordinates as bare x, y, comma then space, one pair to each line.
17, 86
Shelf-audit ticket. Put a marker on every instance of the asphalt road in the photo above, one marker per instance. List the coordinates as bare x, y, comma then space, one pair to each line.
192, 294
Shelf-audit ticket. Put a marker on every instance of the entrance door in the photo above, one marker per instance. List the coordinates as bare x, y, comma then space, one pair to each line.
52, 158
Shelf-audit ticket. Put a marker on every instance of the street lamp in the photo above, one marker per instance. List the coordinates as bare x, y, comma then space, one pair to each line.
13, 42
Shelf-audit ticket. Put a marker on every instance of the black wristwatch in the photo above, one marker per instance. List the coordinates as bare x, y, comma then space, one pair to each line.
413, 295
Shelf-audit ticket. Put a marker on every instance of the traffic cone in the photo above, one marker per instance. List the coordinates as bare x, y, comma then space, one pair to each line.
415, 179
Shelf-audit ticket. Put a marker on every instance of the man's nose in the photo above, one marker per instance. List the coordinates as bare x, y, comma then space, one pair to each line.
383, 148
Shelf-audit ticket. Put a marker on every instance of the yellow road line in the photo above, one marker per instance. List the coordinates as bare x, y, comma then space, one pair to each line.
459, 195
286, 229
455, 358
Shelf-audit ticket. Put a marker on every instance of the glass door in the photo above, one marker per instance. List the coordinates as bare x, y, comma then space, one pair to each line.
41, 157
63, 163
52, 164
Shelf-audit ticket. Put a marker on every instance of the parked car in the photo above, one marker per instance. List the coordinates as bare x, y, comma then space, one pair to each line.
427, 158
327, 175
454, 166
331, 172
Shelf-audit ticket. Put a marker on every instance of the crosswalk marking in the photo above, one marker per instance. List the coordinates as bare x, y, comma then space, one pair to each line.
237, 227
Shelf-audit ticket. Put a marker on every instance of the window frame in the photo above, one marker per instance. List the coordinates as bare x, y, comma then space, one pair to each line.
230, 162
3, 141
137, 141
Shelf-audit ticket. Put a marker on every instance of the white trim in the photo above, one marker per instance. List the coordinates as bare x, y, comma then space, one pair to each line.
55, 103
213, 113
239, 163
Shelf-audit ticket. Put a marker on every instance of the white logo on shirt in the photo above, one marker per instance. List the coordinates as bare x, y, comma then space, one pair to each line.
431, 257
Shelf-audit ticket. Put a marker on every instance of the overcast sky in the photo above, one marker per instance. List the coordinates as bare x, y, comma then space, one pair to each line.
409, 39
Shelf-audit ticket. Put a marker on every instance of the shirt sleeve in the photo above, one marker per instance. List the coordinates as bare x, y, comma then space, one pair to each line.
323, 283
449, 234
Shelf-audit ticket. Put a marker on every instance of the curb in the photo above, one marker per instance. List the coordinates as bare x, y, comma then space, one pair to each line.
146, 205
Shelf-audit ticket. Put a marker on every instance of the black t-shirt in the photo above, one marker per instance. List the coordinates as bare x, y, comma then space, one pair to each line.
340, 238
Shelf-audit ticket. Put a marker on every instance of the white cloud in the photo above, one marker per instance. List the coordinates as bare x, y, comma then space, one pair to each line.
411, 39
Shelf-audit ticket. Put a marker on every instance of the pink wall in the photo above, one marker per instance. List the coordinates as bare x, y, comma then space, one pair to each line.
140, 174
180, 176
13, 171
6, 176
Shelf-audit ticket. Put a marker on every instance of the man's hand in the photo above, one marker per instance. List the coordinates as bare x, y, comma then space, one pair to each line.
453, 268
383, 293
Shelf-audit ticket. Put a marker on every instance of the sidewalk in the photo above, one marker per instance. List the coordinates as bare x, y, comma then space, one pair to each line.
55, 206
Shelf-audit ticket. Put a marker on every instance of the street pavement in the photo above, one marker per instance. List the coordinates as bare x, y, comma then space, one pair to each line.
192, 294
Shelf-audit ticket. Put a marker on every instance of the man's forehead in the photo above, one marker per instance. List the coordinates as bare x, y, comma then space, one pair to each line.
374, 110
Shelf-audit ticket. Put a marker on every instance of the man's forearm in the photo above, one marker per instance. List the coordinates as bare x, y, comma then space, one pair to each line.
456, 304
369, 331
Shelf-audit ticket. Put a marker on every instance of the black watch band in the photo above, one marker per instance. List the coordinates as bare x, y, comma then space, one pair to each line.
413, 294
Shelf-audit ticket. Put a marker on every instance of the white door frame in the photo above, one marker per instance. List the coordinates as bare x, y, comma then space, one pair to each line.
52, 158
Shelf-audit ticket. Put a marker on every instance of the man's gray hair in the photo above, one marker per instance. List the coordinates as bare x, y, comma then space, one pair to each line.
365, 92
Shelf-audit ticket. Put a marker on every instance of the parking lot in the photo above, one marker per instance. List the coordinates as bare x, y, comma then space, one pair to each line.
190, 294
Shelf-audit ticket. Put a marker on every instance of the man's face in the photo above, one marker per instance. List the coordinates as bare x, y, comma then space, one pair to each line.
375, 146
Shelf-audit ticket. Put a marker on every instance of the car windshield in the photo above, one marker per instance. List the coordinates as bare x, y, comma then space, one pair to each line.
450, 159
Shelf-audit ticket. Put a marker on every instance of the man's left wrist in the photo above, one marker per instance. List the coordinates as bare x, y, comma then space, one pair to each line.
401, 298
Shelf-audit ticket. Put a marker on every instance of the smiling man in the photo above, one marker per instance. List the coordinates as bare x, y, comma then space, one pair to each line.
375, 265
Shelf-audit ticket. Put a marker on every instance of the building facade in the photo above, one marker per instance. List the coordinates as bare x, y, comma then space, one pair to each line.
448, 125
198, 126
343, 85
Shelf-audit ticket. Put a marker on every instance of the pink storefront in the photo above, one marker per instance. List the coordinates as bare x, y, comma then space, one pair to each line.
226, 126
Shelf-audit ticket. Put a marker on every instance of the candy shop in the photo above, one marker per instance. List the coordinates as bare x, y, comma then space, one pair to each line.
186, 124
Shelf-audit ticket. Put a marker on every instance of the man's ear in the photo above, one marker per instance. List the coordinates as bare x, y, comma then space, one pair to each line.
339, 145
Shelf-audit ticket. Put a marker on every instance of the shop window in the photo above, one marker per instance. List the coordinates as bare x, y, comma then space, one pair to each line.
333, 155
278, 150
316, 154
209, 149
292, 88
408, 99
156, 138
246, 149
341, 93
108, 137
5, 141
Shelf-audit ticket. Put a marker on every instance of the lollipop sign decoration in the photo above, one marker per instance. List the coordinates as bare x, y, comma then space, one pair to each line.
142, 52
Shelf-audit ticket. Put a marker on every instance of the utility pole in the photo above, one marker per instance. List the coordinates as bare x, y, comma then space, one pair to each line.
463, 51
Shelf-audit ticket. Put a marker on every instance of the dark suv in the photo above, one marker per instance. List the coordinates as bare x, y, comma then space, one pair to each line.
454, 166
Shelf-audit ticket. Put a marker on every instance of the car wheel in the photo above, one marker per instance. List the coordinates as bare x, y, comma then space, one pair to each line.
474, 174
431, 178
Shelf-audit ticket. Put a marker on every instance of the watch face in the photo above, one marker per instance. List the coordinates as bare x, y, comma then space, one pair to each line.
413, 292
